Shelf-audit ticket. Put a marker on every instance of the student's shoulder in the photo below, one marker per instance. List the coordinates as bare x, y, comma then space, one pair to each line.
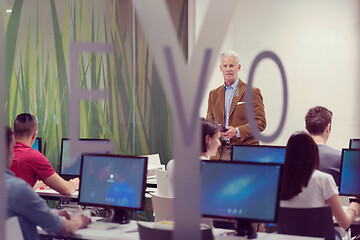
328, 149
17, 186
322, 177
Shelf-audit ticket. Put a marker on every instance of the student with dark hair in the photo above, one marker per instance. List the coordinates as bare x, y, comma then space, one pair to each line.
30, 164
304, 186
318, 124
32, 210
210, 143
210, 140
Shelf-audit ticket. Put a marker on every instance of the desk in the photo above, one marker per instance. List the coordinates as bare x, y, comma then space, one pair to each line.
130, 232
51, 194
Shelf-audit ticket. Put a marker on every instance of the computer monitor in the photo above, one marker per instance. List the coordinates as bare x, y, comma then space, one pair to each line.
70, 165
113, 181
242, 191
350, 172
354, 143
258, 153
37, 144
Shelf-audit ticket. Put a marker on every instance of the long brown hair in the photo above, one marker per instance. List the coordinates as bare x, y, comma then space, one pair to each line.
301, 159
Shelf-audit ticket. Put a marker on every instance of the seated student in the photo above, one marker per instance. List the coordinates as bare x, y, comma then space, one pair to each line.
318, 124
30, 164
31, 209
210, 142
306, 187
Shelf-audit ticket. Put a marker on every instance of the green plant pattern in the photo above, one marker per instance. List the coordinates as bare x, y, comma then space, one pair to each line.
135, 114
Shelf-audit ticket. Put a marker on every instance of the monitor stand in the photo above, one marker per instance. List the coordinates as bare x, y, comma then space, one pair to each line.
244, 228
120, 216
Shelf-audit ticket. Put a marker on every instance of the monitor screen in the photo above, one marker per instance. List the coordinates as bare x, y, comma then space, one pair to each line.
240, 190
258, 153
70, 165
350, 172
113, 181
37, 144
354, 144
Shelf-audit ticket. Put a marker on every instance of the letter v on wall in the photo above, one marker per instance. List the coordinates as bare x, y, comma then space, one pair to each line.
185, 83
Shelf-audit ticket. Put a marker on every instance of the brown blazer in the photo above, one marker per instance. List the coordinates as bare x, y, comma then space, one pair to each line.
237, 114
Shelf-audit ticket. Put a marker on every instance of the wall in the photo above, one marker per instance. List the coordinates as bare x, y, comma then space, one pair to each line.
135, 116
318, 44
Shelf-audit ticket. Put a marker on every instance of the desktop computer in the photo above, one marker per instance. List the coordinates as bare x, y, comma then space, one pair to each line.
354, 143
70, 165
350, 172
242, 191
37, 144
258, 153
113, 181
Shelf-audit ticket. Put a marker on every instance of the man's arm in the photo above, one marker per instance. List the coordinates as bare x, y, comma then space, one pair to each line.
62, 186
209, 114
74, 223
259, 115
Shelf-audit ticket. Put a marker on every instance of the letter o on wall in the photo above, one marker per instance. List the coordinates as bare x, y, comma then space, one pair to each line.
249, 98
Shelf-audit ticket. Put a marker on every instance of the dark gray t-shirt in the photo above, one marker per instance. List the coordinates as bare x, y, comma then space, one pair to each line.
330, 161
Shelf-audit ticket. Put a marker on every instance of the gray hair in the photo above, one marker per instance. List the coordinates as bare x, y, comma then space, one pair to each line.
230, 53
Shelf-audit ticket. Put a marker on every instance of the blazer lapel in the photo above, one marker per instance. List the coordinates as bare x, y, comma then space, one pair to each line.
240, 90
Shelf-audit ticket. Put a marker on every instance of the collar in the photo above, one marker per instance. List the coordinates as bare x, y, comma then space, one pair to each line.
8, 171
234, 85
20, 144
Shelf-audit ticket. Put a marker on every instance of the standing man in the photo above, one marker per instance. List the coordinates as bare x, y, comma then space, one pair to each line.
30, 164
318, 124
226, 106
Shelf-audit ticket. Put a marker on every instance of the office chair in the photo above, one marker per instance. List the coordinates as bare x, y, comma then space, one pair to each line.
162, 182
311, 222
163, 207
153, 231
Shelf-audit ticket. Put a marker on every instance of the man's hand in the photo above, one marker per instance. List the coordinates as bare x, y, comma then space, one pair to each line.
75, 182
64, 214
231, 132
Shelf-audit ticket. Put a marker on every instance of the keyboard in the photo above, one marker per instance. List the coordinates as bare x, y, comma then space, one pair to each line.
103, 225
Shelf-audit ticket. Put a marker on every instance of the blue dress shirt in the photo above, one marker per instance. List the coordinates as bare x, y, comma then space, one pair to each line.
23, 202
229, 94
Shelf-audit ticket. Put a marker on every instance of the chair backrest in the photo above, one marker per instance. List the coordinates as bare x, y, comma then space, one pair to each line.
13, 229
163, 207
311, 222
149, 231
162, 182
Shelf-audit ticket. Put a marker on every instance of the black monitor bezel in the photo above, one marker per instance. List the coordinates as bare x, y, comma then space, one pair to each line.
341, 171
142, 203
253, 146
352, 140
278, 194
39, 144
70, 176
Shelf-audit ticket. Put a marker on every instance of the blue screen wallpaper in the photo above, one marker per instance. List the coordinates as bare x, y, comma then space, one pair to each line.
263, 154
247, 191
36, 145
112, 181
350, 173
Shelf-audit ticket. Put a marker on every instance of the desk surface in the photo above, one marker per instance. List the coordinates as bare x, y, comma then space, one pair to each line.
130, 232
49, 193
